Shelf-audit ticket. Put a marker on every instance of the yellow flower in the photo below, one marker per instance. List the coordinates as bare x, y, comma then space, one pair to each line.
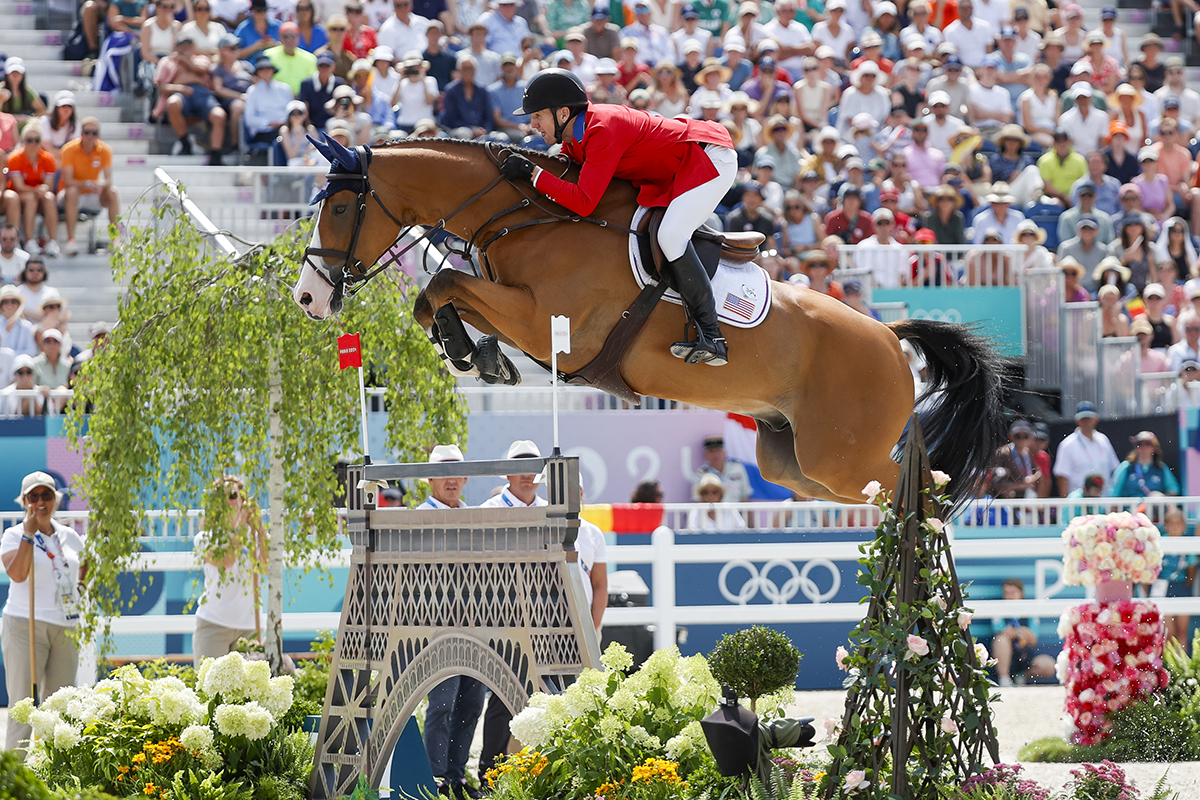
140, 758
150, 789
608, 788
657, 769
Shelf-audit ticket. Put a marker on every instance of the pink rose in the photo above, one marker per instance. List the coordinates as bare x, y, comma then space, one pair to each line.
842, 655
917, 647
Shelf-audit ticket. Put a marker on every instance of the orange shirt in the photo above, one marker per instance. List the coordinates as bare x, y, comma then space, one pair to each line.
35, 174
86, 166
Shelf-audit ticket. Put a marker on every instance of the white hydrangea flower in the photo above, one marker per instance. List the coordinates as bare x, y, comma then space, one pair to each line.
21, 711
66, 736
43, 723
616, 658
626, 702
531, 727
197, 738
612, 728
640, 737
257, 680
58, 701
689, 740
175, 707
278, 697
258, 721
230, 719
225, 676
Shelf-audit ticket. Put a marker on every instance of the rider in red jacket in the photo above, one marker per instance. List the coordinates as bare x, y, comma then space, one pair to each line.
685, 165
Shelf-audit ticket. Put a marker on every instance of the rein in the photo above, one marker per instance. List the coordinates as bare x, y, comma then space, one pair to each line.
353, 275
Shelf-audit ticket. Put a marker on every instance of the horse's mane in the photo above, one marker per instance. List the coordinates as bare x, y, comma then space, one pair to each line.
528, 152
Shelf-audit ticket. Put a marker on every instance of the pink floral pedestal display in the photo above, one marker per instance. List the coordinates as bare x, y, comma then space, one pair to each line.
1112, 648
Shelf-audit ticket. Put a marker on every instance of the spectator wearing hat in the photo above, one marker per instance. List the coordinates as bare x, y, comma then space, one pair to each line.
404, 30
689, 32
1176, 86
764, 174
87, 180
849, 221
52, 367
23, 102
467, 108
207, 32
294, 136
1012, 66
1162, 324
654, 43
766, 87
870, 44
1014, 471
780, 149
346, 109
31, 170
952, 85
1085, 125
834, 33
711, 489
633, 73
266, 102
1029, 38
746, 29
1083, 452
1085, 246
417, 91
61, 125
1119, 162
230, 80
864, 96
1106, 71
816, 267
185, 93
601, 37
317, 90
732, 473
1157, 198
945, 219
753, 214
441, 62
999, 214
1009, 162
1131, 206
1072, 33
921, 26
802, 228
22, 381
258, 31
1188, 348
1073, 272
509, 88
1084, 193
814, 97
1143, 472
16, 332
989, 105
1111, 272
1152, 359
1033, 239
487, 62
1106, 188
712, 81
972, 35
1149, 63
293, 65
1060, 167
360, 38
990, 268
941, 123
606, 89
887, 260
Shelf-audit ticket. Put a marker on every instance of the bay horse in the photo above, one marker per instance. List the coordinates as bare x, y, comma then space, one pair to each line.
830, 388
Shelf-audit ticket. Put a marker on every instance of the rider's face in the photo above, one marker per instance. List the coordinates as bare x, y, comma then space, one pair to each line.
543, 122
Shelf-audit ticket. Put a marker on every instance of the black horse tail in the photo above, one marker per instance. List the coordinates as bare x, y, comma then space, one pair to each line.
962, 417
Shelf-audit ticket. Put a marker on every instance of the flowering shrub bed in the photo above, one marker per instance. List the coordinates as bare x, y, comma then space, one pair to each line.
1111, 657
1111, 547
235, 735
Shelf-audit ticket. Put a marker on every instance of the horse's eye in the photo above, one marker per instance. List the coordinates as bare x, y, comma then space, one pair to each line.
339, 210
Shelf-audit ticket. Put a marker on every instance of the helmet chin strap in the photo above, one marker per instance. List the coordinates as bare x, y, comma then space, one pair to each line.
559, 127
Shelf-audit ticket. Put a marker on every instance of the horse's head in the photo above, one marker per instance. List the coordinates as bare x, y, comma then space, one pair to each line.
346, 239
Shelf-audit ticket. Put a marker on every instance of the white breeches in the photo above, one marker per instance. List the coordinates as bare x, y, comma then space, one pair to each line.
692, 209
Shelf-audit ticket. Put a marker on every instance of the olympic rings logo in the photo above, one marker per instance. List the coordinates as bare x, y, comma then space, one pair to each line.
938, 314
759, 581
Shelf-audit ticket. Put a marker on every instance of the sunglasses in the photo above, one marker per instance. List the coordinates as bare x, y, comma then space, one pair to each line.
338, 29
8, 300
31, 140
883, 223
91, 133
51, 307
202, 8
792, 207
45, 494
1020, 435
24, 372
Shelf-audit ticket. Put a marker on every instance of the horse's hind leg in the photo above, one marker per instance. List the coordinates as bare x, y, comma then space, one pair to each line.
778, 464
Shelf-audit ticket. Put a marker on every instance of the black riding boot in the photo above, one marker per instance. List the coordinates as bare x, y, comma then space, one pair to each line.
691, 281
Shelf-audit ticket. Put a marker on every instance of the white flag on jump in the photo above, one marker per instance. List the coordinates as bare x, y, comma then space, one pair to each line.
560, 334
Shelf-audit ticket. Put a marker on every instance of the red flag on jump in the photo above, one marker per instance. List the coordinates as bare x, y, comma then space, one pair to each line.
349, 351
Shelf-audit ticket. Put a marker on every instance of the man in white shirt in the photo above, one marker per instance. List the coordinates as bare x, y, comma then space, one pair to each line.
883, 255
942, 124
1083, 452
795, 42
999, 215
585, 62
12, 258
654, 43
506, 28
1188, 348
404, 30
1175, 85
994, 12
834, 32
456, 703
691, 32
1086, 126
989, 105
974, 37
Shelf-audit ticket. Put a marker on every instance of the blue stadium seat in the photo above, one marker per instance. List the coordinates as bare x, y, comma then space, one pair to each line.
1046, 216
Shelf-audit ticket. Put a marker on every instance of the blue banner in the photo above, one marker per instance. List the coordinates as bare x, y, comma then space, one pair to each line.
998, 309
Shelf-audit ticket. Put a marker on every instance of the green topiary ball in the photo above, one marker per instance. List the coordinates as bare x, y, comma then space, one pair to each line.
17, 781
755, 661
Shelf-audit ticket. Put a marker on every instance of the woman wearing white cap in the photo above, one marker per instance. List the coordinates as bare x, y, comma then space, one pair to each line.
17, 398
61, 125
16, 332
42, 608
294, 135
23, 101
228, 609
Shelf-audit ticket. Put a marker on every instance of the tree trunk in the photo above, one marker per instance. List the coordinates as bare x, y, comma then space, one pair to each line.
273, 635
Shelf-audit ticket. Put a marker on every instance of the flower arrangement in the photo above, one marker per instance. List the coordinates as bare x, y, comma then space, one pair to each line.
987, 785
1111, 658
159, 738
621, 737
1111, 547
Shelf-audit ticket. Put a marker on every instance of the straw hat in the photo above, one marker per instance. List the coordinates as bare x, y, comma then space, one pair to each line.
713, 65
1125, 90
1029, 226
1069, 264
1111, 263
708, 480
1000, 194
776, 121
741, 99
1012, 131
341, 92
865, 68
943, 190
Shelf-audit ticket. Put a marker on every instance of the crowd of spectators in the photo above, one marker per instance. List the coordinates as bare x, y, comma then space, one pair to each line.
37, 355
947, 124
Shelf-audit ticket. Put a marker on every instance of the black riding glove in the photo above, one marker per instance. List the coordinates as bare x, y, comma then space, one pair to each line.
517, 167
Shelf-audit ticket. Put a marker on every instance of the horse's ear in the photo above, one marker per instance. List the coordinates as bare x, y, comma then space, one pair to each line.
342, 155
322, 146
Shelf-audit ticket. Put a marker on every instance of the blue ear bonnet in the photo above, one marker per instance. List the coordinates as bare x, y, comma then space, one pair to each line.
342, 161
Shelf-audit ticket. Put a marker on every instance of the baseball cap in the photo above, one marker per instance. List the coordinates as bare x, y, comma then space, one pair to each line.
52, 333
1154, 290
606, 66
883, 213
600, 12
939, 99
689, 12
1087, 221
1147, 154
326, 59
849, 189
752, 186
1108, 12
1172, 101
925, 236
1144, 437
952, 60
764, 160
262, 62
1041, 431
35, 479
1087, 186
1008, 32
1020, 426
1021, 13
1083, 89
1094, 481
1189, 364
1085, 410
1141, 325
1094, 37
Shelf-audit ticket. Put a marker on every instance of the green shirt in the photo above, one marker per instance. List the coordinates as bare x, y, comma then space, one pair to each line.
293, 69
804, 19
560, 17
1062, 174
713, 15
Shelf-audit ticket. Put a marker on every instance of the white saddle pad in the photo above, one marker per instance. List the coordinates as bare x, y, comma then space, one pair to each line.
742, 291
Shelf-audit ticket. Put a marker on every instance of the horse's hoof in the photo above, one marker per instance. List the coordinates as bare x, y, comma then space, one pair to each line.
494, 367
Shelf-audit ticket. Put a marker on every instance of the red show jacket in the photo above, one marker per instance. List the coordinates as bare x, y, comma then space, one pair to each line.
662, 157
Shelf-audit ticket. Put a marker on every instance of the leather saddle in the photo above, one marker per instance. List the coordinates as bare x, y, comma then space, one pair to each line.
603, 372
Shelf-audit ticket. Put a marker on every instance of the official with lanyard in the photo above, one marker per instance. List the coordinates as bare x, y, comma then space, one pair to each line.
456, 703
1143, 473
35, 642
519, 492
684, 165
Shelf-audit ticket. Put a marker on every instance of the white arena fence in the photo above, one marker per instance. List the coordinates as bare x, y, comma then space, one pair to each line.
943, 265
793, 577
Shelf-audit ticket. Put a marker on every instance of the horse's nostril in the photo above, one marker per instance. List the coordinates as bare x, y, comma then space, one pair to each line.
306, 299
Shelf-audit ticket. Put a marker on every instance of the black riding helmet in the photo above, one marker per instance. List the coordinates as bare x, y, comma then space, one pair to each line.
552, 88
